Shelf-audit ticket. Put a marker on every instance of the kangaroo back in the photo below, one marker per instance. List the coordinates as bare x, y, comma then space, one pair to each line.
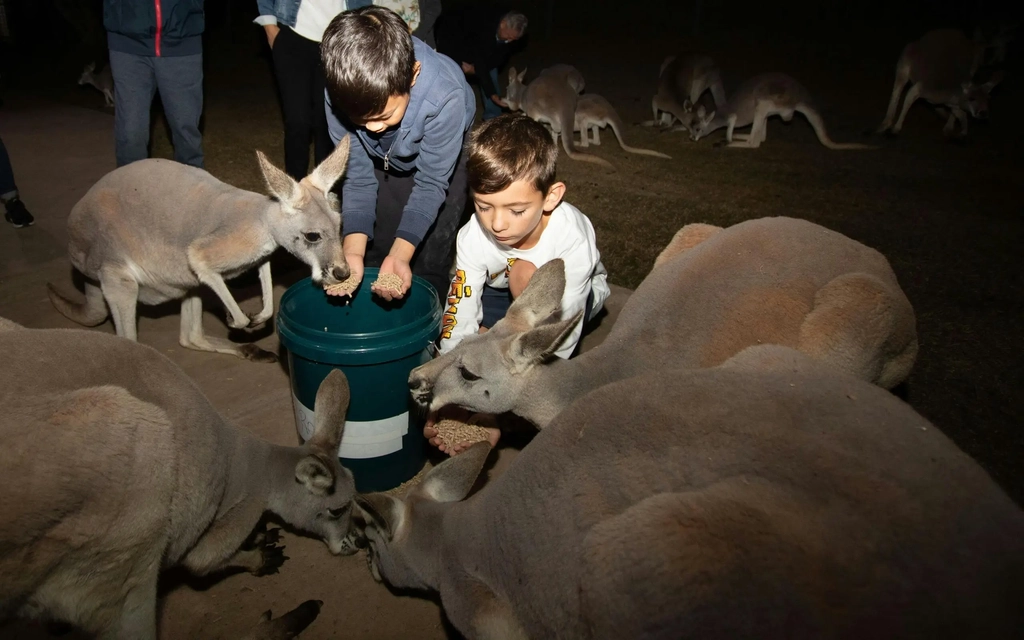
551, 99
768, 497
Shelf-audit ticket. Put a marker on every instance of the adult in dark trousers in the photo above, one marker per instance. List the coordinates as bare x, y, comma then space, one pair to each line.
481, 39
294, 29
430, 11
14, 209
156, 45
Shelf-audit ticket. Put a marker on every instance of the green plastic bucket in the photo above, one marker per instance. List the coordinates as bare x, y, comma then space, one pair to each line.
376, 344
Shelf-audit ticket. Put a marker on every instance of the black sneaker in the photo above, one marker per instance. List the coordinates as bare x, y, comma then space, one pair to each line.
17, 214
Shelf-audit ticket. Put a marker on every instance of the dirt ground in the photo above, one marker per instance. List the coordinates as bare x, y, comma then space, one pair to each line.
948, 217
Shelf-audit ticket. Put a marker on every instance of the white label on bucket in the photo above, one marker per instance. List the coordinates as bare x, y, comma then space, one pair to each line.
370, 439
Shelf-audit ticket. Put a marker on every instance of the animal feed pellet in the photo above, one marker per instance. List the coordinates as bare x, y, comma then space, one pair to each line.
453, 432
345, 287
390, 281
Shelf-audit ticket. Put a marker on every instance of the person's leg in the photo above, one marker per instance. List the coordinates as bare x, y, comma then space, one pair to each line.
15, 211
392, 195
134, 86
491, 110
180, 82
433, 260
322, 144
295, 79
495, 303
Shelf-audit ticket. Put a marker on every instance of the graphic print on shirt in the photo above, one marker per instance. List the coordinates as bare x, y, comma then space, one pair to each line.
458, 291
508, 271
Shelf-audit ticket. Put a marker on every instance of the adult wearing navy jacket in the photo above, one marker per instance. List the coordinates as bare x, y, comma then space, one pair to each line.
156, 45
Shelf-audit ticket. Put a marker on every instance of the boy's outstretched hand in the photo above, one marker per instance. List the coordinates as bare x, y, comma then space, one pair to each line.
398, 267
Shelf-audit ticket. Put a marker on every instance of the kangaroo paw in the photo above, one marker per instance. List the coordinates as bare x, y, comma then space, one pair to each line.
256, 354
273, 558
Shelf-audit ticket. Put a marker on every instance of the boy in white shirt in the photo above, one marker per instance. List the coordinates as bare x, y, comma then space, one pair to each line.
521, 223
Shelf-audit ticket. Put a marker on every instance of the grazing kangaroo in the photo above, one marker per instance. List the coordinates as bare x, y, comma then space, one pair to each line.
156, 230
551, 99
682, 80
594, 112
716, 291
758, 99
769, 497
103, 81
115, 465
941, 67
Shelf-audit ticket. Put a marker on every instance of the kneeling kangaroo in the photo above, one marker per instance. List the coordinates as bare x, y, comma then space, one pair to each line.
156, 230
769, 497
114, 465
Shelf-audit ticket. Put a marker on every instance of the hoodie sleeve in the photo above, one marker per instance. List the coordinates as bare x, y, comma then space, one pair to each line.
359, 184
435, 164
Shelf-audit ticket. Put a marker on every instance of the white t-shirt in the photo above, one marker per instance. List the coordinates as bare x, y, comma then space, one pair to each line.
481, 259
315, 15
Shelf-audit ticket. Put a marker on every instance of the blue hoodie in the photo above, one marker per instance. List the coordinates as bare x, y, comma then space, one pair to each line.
428, 141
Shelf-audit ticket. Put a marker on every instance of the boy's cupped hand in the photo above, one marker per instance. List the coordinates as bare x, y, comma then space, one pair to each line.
400, 268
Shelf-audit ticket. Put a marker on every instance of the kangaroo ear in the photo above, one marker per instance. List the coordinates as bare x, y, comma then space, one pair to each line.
522, 74
541, 299
280, 184
996, 78
537, 345
511, 74
382, 512
451, 480
687, 105
330, 407
332, 168
315, 474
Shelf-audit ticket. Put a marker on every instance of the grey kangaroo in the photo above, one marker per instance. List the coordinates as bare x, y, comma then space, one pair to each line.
551, 99
102, 81
156, 230
682, 80
769, 497
713, 292
754, 102
940, 68
114, 465
593, 113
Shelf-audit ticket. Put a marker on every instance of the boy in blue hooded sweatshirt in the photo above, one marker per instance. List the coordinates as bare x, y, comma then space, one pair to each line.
410, 109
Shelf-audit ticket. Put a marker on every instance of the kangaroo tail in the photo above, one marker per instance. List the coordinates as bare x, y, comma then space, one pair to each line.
89, 313
568, 116
819, 128
615, 124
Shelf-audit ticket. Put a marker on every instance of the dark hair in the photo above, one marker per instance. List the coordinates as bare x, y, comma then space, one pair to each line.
510, 147
368, 57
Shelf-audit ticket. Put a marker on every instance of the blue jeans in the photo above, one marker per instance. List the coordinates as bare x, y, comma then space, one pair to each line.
491, 110
179, 79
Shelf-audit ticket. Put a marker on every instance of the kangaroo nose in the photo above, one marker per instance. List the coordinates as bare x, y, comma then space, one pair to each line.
414, 384
339, 272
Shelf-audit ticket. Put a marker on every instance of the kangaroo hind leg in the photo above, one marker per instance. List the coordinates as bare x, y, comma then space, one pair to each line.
192, 335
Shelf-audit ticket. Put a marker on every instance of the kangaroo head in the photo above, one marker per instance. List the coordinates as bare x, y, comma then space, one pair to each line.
702, 123
308, 222
488, 372
515, 92
319, 498
87, 74
975, 96
404, 536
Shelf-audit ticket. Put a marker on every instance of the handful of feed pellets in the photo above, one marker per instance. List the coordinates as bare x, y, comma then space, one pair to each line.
453, 432
391, 281
343, 288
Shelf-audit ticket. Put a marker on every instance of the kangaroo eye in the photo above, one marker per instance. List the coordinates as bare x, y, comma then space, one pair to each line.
312, 236
467, 375
337, 513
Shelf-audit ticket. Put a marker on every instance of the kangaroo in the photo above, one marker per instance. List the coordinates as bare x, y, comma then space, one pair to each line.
103, 81
594, 112
716, 291
682, 80
941, 67
115, 466
758, 99
771, 497
155, 230
551, 98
